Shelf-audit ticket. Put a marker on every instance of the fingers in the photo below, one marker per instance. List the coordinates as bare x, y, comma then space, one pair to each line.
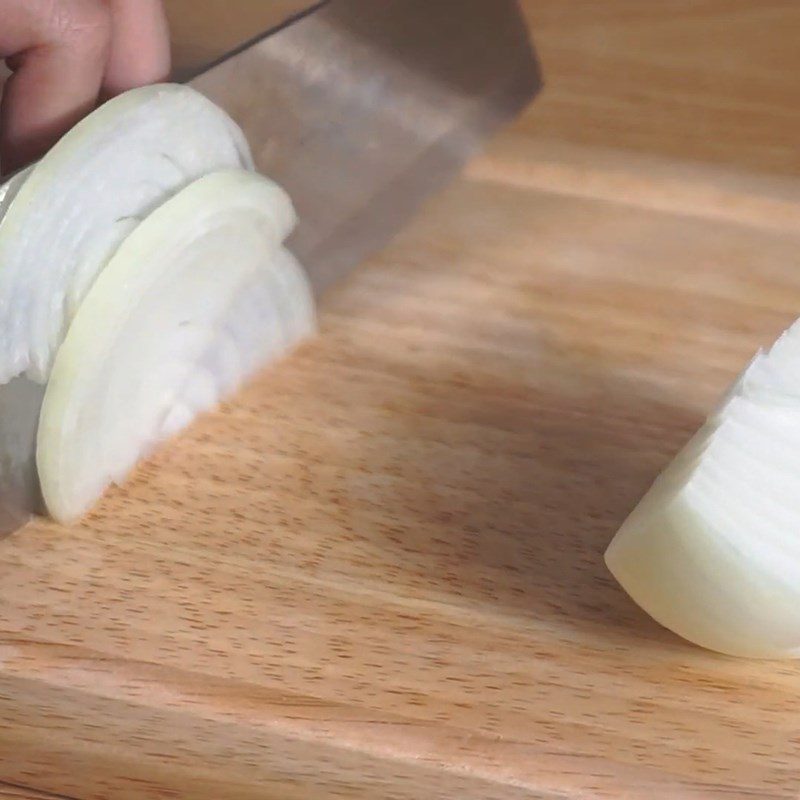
140, 46
62, 53
59, 50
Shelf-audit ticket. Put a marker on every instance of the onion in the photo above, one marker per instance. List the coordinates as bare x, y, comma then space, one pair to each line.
65, 217
199, 296
712, 552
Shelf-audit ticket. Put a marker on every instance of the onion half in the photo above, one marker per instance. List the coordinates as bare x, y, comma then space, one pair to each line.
66, 216
199, 296
712, 552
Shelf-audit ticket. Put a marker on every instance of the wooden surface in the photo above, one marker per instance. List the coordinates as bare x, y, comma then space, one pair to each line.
377, 573
9, 792
708, 80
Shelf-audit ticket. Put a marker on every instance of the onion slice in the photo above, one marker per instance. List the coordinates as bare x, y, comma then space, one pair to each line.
196, 299
66, 216
712, 552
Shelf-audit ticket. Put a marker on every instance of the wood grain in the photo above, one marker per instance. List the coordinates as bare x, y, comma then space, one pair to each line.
9, 792
377, 572
706, 80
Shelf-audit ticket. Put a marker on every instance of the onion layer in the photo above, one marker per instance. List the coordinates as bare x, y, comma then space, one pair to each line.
65, 218
199, 296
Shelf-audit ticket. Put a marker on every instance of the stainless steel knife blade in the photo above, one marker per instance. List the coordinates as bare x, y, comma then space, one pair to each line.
224, 27
20, 402
360, 109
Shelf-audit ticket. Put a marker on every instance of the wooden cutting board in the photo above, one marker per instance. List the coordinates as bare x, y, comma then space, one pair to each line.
377, 572
10, 792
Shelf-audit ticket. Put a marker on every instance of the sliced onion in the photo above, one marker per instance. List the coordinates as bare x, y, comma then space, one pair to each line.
196, 299
67, 216
712, 552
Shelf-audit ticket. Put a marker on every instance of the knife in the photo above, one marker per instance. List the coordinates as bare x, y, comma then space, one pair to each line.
359, 108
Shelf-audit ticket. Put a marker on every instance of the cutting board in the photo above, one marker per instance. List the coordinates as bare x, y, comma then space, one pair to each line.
377, 572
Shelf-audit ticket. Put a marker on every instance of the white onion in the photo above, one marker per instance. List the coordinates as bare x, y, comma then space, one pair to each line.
65, 217
198, 297
712, 552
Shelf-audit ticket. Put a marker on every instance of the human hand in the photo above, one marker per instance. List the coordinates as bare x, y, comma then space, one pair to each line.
64, 55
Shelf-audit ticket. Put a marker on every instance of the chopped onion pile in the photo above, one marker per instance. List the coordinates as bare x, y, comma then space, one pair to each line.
713, 550
143, 278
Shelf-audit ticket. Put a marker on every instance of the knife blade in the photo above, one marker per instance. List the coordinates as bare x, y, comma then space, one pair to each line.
361, 110
365, 108
224, 27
